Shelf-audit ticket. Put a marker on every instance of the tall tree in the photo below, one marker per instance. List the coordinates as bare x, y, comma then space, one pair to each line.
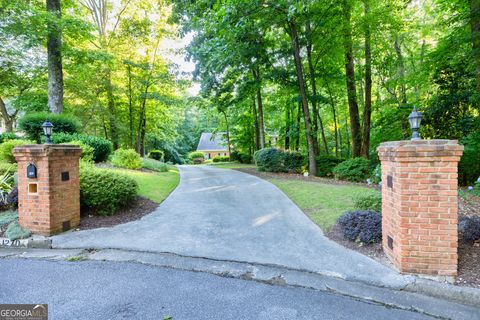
350, 78
367, 113
54, 50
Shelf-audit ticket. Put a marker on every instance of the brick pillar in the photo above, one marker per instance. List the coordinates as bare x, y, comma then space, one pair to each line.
49, 203
420, 205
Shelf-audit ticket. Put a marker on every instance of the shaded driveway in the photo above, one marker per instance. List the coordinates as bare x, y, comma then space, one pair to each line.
228, 215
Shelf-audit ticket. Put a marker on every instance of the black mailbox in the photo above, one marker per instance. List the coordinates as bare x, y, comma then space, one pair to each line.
31, 171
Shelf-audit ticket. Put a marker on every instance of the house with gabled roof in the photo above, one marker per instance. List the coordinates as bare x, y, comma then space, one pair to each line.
213, 145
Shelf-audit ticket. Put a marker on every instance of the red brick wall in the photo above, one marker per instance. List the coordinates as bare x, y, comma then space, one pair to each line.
56, 201
419, 210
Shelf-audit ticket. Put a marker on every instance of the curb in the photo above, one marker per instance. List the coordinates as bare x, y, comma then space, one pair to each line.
30, 243
450, 292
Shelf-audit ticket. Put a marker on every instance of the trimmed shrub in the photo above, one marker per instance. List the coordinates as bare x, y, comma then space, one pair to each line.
469, 228
156, 155
372, 202
196, 155
8, 136
270, 160
221, 159
87, 151
246, 158
6, 149
102, 148
325, 165
31, 124
154, 165
104, 191
356, 169
235, 156
127, 158
364, 226
293, 162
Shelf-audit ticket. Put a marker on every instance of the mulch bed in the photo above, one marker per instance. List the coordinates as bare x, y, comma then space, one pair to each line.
134, 211
468, 254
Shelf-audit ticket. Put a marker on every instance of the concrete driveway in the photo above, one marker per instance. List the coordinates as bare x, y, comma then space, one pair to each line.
228, 215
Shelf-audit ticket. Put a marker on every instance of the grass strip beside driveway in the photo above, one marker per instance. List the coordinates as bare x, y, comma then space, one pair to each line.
323, 203
155, 186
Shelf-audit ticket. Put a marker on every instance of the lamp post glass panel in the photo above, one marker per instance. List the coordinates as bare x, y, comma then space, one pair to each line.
415, 118
47, 130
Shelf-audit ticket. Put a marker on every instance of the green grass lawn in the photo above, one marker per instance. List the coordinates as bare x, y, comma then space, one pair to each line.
323, 203
155, 186
230, 165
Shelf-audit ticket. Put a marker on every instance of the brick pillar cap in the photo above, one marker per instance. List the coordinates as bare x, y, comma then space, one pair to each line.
47, 149
414, 150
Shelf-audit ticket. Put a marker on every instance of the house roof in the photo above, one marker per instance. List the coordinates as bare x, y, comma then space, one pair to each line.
212, 142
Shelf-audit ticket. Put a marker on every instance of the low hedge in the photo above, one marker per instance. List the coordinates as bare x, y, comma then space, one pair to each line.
154, 165
87, 151
221, 159
104, 191
356, 170
127, 158
31, 124
102, 148
276, 160
196, 155
8, 136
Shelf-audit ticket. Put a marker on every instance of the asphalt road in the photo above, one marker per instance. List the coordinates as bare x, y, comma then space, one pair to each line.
110, 290
228, 215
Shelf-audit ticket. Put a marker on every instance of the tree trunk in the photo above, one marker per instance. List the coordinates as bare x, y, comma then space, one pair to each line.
261, 123
350, 76
287, 127
475, 27
313, 82
334, 113
7, 119
112, 117
130, 105
367, 113
255, 123
54, 53
297, 133
312, 163
143, 123
228, 132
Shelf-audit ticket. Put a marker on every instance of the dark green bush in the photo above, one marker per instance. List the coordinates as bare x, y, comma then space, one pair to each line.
8, 136
235, 156
127, 158
102, 148
364, 226
221, 159
270, 160
246, 158
196, 155
325, 165
103, 191
87, 151
293, 161
357, 169
31, 124
372, 202
469, 166
156, 155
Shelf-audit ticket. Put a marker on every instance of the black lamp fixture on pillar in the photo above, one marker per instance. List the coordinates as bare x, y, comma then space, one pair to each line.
415, 118
47, 130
